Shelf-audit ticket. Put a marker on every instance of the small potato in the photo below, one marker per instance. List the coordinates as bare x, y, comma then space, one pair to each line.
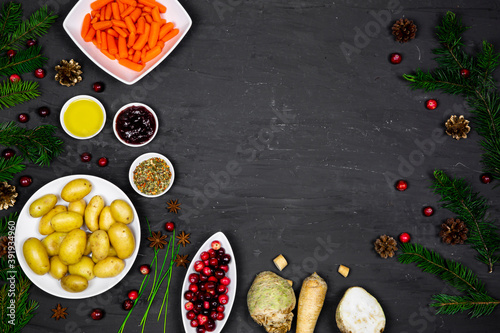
74, 283
36, 256
111, 253
45, 228
109, 267
88, 250
122, 239
99, 244
66, 221
121, 211
43, 205
85, 268
57, 268
76, 190
53, 242
77, 206
73, 246
96, 204
106, 219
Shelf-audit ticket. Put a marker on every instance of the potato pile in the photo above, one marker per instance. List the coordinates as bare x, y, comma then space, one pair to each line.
67, 248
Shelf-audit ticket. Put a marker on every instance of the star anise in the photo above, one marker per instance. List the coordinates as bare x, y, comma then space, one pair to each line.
174, 206
182, 260
59, 312
183, 239
157, 240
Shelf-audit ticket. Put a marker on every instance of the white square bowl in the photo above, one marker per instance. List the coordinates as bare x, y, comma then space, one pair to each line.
73, 25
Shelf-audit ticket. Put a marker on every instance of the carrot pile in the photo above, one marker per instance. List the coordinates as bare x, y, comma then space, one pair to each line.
130, 31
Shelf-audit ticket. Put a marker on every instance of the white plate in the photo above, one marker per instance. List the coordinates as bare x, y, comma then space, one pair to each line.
142, 158
73, 25
231, 288
27, 227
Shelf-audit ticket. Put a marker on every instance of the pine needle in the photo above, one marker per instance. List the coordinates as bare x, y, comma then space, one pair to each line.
479, 304
16, 93
10, 18
9, 167
23, 62
459, 198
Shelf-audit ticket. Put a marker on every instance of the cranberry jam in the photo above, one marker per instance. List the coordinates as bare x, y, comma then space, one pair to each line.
135, 125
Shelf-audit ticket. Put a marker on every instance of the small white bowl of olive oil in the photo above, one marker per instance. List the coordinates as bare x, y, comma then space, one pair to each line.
83, 117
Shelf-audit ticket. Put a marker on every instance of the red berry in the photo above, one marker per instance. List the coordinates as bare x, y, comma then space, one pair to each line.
404, 237
25, 181
86, 157
23, 117
8, 153
188, 295
11, 53
223, 299
225, 281
200, 329
193, 287
428, 211
225, 268
103, 161
40, 73
225, 259
98, 87
431, 104
207, 271
170, 226
43, 111
190, 315
211, 253
221, 308
220, 315
194, 323
210, 325
198, 266
202, 319
189, 306
204, 255
144, 269
395, 58
97, 314
221, 289
206, 305
401, 185
214, 262
14, 78
486, 178
194, 278
212, 279
127, 304
465, 73
216, 245
30, 42
133, 294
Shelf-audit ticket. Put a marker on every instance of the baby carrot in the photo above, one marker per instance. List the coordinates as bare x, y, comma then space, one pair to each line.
94, 20
112, 48
118, 23
143, 54
152, 53
85, 25
129, 24
104, 40
131, 65
102, 15
120, 31
152, 4
155, 13
99, 4
116, 11
143, 39
141, 25
94, 13
102, 25
98, 37
109, 11
127, 11
112, 33
122, 47
160, 43
131, 39
147, 9
170, 35
130, 57
135, 14
149, 19
131, 51
90, 35
94, 41
107, 54
121, 6
137, 56
132, 3
153, 34
165, 29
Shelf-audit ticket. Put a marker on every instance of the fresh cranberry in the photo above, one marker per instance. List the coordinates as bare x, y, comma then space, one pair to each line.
202, 319
193, 287
198, 266
86, 157
223, 299
97, 314
220, 315
486, 178
431, 104
212, 253
213, 262
188, 295
226, 259
25, 181
401, 185
465, 73
225, 281
189, 306
23, 117
40, 73
221, 308
210, 285
221, 289
206, 305
144, 269
213, 315
203, 278
11, 54
215, 245
98, 87
194, 278
404, 237
170, 226
30, 42
43, 111
103, 161
214, 304
133, 294
14, 78
190, 315
194, 323
206, 262
395, 58
200, 329
225, 268
221, 251
128, 304
219, 273
213, 279
207, 271
210, 325
8, 153
204, 256
428, 211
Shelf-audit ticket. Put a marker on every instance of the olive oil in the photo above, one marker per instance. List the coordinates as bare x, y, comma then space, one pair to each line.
83, 118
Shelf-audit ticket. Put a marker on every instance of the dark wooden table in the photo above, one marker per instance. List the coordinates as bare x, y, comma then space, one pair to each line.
313, 138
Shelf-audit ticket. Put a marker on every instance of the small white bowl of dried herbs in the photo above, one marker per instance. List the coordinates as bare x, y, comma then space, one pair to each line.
151, 175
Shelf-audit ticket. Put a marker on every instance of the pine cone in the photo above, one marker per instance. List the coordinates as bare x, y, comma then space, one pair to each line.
385, 246
457, 127
8, 195
4, 245
404, 30
68, 73
453, 232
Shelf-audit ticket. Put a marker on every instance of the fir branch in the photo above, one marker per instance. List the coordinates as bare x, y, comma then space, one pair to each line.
4, 223
23, 62
9, 167
25, 307
39, 145
478, 304
36, 26
10, 18
471, 208
450, 271
16, 93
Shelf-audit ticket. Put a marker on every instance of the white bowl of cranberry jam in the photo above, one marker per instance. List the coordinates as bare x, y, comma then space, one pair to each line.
135, 124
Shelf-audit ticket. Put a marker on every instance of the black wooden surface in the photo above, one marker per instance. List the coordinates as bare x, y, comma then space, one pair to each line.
315, 139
